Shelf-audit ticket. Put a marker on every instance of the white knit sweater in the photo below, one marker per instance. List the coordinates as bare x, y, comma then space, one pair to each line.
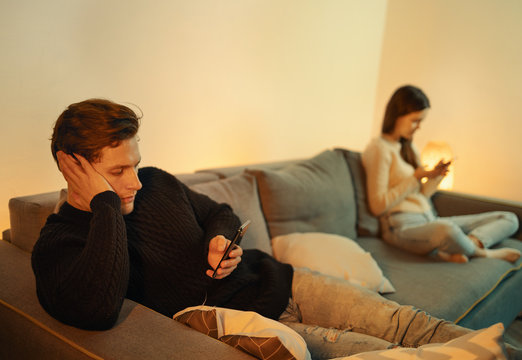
391, 185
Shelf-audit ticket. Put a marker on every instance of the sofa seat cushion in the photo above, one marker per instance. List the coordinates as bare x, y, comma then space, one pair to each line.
452, 291
314, 195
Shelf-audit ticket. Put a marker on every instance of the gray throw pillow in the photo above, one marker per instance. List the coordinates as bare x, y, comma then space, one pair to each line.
367, 223
240, 192
314, 195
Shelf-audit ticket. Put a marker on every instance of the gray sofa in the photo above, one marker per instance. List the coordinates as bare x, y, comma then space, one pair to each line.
325, 193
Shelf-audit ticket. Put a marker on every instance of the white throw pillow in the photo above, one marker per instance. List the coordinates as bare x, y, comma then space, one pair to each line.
332, 255
485, 344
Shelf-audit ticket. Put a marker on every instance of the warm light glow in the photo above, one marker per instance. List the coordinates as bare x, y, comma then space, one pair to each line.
434, 152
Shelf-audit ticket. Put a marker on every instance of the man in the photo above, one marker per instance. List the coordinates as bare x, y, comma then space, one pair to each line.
144, 235
137, 234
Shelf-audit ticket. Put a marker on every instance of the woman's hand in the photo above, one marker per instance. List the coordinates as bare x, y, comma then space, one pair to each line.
441, 169
216, 249
84, 182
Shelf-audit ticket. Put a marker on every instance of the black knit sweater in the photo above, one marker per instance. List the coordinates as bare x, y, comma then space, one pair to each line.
86, 263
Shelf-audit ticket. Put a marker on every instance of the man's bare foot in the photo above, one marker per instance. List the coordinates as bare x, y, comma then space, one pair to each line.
454, 258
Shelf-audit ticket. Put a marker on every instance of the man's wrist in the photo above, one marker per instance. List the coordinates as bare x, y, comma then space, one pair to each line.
105, 197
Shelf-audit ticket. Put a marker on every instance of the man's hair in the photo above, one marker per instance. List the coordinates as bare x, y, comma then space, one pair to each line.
85, 128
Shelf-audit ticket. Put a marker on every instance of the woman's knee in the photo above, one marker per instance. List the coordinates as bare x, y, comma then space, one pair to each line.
445, 231
509, 217
450, 238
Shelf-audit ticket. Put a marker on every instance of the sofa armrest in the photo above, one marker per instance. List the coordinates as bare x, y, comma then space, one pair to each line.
6, 235
28, 332
28, 215
449, 203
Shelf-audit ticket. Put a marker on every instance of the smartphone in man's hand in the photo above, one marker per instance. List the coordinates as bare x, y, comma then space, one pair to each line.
237, 238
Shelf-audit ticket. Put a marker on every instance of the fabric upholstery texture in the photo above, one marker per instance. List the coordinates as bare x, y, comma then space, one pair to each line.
28, 214
229, 171
485, 344
61, 200
191, 179
259, 347
333, 255
248, 331
240, 192
444, 298
314, 195
367, 223
28, 332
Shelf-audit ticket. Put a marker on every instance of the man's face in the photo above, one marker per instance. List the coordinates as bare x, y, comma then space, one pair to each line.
119, 166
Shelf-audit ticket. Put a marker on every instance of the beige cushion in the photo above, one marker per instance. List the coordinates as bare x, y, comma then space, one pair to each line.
248, 331
332, 255
485, 344
314, 195
240, 192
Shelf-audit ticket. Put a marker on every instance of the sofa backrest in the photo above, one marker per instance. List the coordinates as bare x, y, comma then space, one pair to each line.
229, 171
321, 194
29, 213
306, 195
312, 195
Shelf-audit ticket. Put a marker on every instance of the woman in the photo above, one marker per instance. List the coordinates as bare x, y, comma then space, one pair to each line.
397, 194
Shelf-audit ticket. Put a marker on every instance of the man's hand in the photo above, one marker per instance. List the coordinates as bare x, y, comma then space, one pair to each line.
216, 249
84, 182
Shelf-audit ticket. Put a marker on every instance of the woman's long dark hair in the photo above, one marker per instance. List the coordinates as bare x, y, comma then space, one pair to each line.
405, 100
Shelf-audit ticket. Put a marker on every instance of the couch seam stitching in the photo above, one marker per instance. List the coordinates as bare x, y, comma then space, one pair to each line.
483, 297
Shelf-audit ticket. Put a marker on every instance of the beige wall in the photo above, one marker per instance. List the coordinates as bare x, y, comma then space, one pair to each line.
467, 56
220, 82
229, 82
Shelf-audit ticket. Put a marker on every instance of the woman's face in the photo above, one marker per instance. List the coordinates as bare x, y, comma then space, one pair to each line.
408, 124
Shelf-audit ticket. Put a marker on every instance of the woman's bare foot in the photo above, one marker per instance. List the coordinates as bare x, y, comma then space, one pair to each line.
507, 254
454, 258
